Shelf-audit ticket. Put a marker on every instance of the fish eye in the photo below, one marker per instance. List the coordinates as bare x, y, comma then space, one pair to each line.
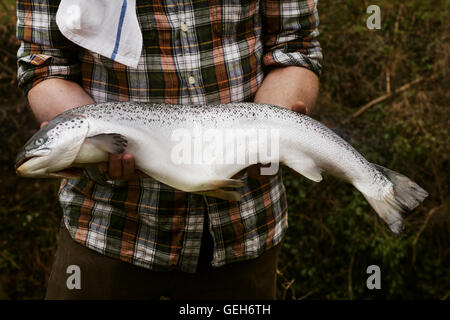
39, 142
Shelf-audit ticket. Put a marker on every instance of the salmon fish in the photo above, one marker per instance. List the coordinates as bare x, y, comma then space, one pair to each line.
188, 147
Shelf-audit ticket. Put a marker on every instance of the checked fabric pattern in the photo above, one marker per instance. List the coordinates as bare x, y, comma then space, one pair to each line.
194, 52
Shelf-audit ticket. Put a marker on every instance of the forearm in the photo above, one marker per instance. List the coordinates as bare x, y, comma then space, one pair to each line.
53, 96
288, 85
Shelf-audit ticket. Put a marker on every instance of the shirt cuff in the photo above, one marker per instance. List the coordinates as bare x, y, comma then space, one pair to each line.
34, 68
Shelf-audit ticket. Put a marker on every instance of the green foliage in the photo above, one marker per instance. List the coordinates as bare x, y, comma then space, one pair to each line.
333, 233
8, 49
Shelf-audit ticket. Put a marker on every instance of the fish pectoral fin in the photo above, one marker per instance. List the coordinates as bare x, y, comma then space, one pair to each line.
222, 194
109, 142
223, 183
307, 168
215, 189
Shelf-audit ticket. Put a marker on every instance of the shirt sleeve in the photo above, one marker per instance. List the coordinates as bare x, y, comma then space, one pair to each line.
290, 34
44, 52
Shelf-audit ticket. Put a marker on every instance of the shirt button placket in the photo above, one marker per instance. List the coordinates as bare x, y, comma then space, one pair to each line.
188, 41
185, 43
184, 27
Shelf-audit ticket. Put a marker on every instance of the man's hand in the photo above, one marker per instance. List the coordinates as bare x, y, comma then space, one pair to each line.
121, 167
299, 107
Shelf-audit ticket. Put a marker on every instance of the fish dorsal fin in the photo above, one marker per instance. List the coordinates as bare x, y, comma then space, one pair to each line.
306, 167
109, 142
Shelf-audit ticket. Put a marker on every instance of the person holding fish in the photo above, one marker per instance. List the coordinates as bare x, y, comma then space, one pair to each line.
135, 237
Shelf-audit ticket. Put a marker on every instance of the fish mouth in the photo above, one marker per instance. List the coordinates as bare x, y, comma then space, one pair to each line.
24, 157
71, 172
22, 160
33, 171
22, 169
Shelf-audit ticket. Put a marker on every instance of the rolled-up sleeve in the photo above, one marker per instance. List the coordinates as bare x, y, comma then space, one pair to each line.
44, 52
290, 34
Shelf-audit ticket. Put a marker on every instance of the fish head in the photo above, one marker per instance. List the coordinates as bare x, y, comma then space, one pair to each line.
53, 148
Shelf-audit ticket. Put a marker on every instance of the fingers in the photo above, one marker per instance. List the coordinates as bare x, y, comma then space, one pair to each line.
121, 166
115, 166
127, 166
300, 107
43, 124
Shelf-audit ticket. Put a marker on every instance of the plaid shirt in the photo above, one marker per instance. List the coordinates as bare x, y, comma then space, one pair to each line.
220, 57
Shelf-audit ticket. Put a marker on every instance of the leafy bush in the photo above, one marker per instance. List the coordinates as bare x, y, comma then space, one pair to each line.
334, 235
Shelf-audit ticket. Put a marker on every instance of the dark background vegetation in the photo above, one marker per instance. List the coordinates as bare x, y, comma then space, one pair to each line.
334, 235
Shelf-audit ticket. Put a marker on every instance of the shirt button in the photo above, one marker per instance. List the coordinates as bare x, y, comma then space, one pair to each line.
191, 80
184, 27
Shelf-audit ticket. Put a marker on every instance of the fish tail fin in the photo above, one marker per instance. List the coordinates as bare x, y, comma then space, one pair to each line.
389, 211
405, 196
408, 194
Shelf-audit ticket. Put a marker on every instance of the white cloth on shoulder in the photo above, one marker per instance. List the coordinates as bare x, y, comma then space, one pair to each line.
107, 27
